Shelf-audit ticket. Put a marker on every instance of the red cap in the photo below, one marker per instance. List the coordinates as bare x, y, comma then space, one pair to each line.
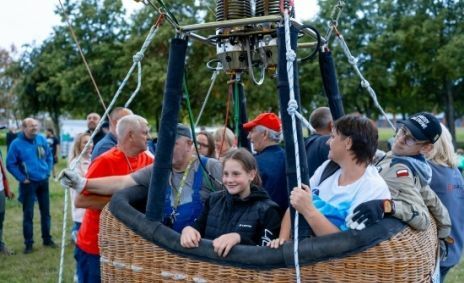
268, 120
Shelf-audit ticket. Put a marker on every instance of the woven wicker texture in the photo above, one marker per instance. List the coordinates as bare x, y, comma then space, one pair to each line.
126, 257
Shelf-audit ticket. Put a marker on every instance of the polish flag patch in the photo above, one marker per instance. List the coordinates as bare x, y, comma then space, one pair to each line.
402, 173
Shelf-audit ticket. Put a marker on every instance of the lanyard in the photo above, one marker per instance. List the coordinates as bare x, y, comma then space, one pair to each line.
177, 192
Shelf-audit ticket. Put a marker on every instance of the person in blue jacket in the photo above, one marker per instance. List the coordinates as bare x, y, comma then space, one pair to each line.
264, 133
447, 182
30, 161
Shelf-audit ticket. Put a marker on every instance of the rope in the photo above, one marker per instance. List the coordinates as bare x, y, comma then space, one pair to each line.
236, 105
73, 35
364, 83
137, 58
213, 80
226, 122
63, 236
292, 110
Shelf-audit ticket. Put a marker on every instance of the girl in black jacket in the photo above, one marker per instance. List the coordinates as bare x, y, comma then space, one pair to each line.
243, 213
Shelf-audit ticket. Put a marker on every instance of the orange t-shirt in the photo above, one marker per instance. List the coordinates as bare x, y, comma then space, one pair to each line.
111, 163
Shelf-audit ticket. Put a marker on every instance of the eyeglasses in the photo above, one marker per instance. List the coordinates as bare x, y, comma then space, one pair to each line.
408, 138
201, 144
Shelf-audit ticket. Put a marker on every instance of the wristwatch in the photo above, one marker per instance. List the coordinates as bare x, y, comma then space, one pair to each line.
388, 206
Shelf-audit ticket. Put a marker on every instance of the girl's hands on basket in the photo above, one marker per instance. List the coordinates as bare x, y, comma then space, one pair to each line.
190, 237
276, 243
223, 244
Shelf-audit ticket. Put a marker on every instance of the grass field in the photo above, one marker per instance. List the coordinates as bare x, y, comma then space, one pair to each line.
43, 264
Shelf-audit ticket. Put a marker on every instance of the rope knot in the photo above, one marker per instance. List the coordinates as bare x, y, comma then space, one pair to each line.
137, 57
365, 84
290, 55
292, 107
352, 60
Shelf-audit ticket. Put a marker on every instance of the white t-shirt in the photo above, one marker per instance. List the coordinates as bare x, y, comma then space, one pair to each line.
346, 198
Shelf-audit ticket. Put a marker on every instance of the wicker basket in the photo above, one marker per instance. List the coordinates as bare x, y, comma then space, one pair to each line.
126, 257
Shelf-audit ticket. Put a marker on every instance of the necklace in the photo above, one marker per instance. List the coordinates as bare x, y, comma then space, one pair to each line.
128, 162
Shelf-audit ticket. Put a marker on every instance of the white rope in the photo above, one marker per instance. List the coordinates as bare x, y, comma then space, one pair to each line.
364, 83
213, 80
292, 110
63, 236
137, 58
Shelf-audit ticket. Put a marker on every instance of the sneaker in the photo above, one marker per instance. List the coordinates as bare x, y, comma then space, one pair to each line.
6, 251
50, 244
28, 249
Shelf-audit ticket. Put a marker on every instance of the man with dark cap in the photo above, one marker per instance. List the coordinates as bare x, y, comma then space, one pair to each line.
188, 187
408, 176
264, 132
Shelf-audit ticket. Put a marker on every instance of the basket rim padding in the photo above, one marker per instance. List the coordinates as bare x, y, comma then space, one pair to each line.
311, 250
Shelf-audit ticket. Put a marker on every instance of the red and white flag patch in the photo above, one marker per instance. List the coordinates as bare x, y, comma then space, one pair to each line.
402, 173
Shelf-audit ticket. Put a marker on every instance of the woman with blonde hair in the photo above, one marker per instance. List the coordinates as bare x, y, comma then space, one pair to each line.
448, 184
81, 167
224, 141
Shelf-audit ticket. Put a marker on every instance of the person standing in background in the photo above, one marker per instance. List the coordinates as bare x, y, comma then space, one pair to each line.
447, 182
10, 136
30, 161
92, 121
317, 148
4, 192
110, 139
54, 144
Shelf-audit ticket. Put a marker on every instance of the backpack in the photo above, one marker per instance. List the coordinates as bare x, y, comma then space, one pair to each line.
329, 170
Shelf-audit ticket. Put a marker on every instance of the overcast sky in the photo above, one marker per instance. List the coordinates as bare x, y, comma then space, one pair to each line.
28, 21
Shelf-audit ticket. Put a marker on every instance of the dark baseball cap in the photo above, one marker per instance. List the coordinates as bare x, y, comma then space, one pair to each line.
183, 130
423, 126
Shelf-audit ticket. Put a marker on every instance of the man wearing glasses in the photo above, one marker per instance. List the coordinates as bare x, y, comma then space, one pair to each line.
408, 175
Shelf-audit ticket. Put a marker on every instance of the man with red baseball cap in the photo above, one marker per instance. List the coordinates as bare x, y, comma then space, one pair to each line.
264, 133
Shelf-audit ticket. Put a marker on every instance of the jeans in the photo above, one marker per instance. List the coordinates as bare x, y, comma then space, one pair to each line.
88, 266
2, 215
30, 192
443, 271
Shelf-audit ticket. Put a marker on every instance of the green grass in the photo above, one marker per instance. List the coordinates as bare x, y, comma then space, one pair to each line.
43, 264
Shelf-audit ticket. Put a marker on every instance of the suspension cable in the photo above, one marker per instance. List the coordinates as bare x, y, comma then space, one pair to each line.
137, 58
213, 80
364, 83
73, 35
334, 18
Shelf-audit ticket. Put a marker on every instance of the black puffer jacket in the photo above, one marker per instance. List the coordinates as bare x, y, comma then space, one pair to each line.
256, 218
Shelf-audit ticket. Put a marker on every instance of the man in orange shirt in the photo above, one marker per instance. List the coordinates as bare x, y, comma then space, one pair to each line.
128, 156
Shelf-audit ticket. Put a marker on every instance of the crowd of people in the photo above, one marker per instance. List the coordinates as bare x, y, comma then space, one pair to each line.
234, 196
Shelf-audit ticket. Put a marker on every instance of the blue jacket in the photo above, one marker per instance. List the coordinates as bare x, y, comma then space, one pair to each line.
317, 151
106, 143
448, 183
29, 159
271, 165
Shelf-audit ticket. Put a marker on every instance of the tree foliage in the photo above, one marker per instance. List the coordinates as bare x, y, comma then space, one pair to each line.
410, 51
